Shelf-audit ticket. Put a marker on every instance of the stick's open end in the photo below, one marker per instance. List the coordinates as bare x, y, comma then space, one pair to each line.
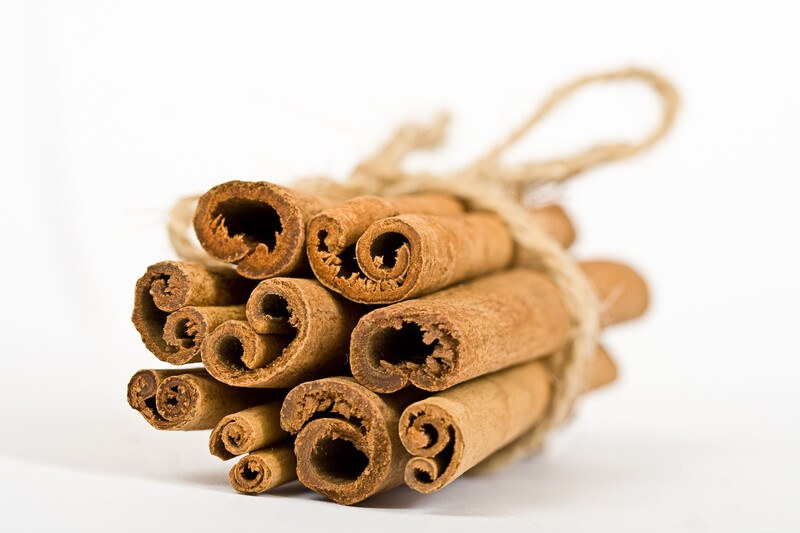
435, 441
343, 446
233, 436
264, 469
184, 331
391, 349
256, 225
377, 263
235, 354
142, 389
177, 398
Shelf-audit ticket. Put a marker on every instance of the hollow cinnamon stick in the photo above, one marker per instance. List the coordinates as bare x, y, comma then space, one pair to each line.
452, 431
171, 285
246, 431
259, 226
264, 469
198, 401
333, 234
378, 251
456, 334
296, 330
347, 445
448, 337
186, 329
142, 389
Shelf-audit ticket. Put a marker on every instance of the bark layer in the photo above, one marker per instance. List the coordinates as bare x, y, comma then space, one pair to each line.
259, 226
188, 399
454, 430
482, 326
264, 469
296, 330
377, 250
246, 431
174, 286
347, 445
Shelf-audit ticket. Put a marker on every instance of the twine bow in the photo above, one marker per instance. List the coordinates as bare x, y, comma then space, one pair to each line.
490, 185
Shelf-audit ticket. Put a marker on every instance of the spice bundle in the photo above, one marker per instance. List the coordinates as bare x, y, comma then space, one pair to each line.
393, 329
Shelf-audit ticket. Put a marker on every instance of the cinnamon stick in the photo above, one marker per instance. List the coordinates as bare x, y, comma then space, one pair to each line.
264, 469
142, 389
554, 221
188, 401
452, 431
247, 430
169, 286
500, 320
622, 292
186, 329
259, 226
347, 445
381, 250
334, 233
296, 330
377, 251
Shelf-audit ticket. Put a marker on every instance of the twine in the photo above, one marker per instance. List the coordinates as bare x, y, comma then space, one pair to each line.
489, 185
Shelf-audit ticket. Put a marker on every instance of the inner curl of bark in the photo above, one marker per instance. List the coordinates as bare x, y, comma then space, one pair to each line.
256, 222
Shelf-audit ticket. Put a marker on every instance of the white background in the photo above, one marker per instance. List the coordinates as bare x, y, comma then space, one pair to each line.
110, 111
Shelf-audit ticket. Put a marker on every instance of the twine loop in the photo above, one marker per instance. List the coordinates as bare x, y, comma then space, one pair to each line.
487, 184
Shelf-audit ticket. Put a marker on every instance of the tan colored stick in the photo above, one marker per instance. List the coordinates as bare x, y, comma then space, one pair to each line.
333, 235
246, 431
555, 222
600, 371
186, 329
479, 327
264, 469
297, 330
259, 226
198, 401
622, 292
452, 431
171, 285
378, 251
347, 445
142, 389
459, 333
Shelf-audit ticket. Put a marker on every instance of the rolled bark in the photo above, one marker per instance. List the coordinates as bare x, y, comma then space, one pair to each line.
169, 286
198, 401
346, 444
246, 431
259, 226
454, 335
621, 290
297, 330
264, 469
479, 327
186, 329
378, 251
142, 389
454, 430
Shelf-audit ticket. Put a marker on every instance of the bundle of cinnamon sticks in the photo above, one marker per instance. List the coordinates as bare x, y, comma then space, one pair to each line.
360, 345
